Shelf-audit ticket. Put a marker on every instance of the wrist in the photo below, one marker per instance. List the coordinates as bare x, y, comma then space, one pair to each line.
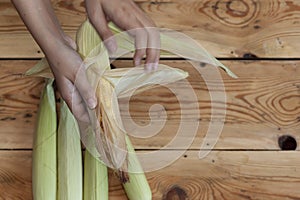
55, 44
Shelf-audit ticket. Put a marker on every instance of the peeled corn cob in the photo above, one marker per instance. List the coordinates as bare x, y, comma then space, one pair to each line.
44, 149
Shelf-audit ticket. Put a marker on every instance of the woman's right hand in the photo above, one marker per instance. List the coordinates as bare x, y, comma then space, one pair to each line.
60, 51
71, 80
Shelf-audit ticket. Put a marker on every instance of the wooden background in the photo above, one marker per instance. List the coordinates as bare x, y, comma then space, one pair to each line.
257, 39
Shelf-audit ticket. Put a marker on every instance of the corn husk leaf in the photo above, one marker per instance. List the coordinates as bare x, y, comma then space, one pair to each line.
44, 172
127, 81
41, 69
69, 157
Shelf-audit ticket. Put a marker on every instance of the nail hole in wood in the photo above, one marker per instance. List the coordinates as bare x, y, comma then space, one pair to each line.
202, 64
27, 115
175, 193
287, 143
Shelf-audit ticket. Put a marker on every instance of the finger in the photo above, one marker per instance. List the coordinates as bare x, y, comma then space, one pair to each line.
140, 46
84, 88
153, 48
79, 108
152, 59
73, 99
99, 21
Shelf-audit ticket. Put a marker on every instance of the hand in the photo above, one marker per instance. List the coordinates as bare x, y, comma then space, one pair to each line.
71, 80
129, 17
40, 19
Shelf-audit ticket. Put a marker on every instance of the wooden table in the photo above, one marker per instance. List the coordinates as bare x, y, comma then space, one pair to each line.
257, 39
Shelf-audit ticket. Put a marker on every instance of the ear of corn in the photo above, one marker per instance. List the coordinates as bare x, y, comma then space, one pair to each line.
95, 178
44, 149
112, 147
69, 157
110, 83
137, 187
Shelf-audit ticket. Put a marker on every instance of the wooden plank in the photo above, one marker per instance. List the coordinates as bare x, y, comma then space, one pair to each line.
262, 28
15, 175
263, 104
221, 175
19, 98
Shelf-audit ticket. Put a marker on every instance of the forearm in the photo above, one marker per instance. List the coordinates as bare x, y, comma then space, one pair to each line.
39, 17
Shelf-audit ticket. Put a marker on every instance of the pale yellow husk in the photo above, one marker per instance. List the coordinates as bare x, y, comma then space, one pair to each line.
44, 171
69, 156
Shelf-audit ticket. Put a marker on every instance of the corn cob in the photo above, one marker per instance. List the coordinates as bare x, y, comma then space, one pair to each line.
44, 181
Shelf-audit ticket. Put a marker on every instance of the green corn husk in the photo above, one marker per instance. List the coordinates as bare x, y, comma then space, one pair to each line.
137, 187
95, 179
44, 181
69, 157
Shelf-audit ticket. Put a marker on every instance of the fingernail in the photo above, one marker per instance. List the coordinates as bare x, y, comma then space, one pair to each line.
92, 103
155, 66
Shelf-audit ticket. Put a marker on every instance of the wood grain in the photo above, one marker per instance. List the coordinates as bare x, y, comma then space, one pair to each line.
262, 104
246, 28
221, 175
19, 98
15, 175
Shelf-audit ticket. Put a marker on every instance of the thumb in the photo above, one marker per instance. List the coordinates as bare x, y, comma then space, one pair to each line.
85, 89
100, 23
